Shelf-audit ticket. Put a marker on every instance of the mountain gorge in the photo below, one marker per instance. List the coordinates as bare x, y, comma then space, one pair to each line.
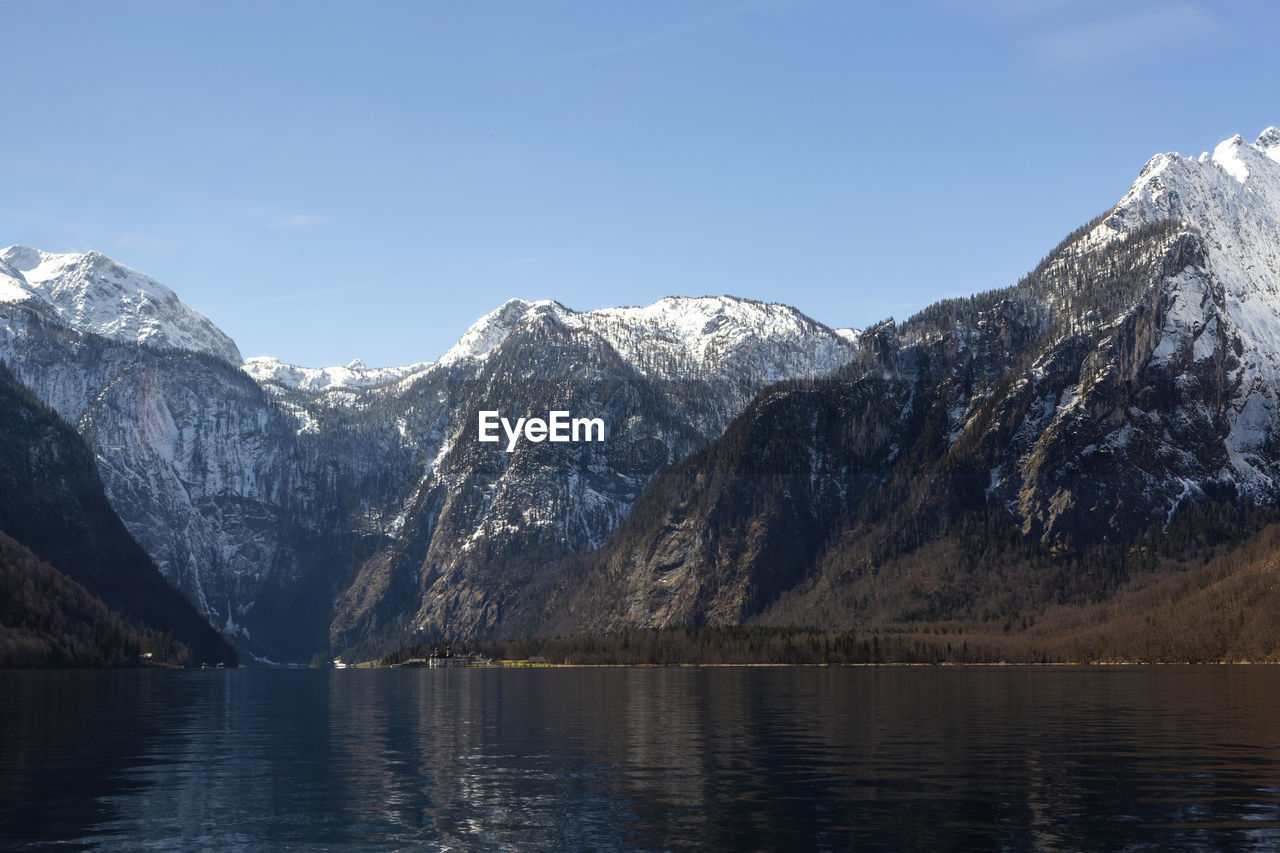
982, 459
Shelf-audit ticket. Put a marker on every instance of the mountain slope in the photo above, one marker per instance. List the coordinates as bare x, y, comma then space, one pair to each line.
47, 619
52, 502
1129, 375
1231, 199
272, 372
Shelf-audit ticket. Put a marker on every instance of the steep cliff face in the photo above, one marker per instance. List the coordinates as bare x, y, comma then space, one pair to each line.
1131, 373
1178, 400
207, 471
202, 467
52, 502
1230, 300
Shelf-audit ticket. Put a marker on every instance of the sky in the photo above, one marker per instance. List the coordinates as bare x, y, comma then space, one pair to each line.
329, 181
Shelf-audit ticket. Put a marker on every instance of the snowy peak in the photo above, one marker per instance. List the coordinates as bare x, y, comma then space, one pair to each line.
683, 337
22, 257
676, 338
719, 336
1233, 156
488, 332
850, 335
1269, 139
1229, 302
92, 293
1232, 199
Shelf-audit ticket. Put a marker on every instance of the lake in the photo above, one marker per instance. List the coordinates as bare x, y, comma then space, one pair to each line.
893, 758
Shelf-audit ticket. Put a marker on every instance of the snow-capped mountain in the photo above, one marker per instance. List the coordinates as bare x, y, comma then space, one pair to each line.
1231, 200
674, 338
1135, 373
1203, 332
665, 378
681, 337
91, 293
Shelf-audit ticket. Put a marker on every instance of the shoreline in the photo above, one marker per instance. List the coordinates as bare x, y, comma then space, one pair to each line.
368, 665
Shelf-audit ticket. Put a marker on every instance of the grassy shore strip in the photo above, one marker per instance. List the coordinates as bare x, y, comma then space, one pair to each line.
1050, 642
1077, 665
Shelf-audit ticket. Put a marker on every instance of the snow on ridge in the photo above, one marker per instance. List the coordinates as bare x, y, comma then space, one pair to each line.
707, 334
722, 336
699, 333
13, 287
704, 333
1227, 156
1231, 200
267, 370
488, 332
92, 293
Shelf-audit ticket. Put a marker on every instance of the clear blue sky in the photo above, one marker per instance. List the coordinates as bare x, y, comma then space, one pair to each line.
337, 180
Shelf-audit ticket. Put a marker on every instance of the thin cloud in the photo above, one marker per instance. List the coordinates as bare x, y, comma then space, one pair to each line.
307, 294
299, 220
526, 261
1134, 37
667, 34
1006, 9
144, 241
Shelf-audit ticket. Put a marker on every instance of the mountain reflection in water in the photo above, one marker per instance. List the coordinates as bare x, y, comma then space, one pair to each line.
636, 759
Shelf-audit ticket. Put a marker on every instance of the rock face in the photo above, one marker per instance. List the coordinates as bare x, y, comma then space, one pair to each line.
204, 470
52, 502
1134, 371
1177, 399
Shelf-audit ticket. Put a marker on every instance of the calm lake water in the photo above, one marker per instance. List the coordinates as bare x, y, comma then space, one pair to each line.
1123, 758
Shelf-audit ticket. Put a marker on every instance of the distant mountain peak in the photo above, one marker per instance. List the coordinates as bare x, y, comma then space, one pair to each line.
90, 292
22, 257
699, 333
